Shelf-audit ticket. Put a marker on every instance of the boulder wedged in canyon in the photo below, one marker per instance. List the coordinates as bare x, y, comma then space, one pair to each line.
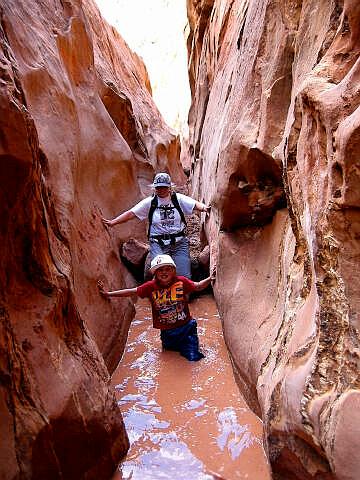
80, 139
274, 123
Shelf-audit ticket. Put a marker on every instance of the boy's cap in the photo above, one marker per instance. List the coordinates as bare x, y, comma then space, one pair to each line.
162, 180
161, 261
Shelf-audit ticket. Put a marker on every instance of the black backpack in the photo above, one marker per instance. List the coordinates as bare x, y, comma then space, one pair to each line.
154, 204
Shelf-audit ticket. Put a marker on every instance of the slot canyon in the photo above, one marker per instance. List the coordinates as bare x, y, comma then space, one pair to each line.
274, 133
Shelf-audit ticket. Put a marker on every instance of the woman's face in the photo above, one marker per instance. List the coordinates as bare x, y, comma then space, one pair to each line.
162, 192
164, 275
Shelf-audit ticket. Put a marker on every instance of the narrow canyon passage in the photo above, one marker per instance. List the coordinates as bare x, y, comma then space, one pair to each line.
185, 420
272, 145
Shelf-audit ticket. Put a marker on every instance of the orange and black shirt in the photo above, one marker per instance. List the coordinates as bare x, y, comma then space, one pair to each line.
170, 308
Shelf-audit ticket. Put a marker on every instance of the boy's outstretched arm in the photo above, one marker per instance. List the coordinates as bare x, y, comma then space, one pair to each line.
126, 292
204, 283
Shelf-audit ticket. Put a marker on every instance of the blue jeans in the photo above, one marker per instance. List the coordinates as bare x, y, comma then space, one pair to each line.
184, 340
178, 252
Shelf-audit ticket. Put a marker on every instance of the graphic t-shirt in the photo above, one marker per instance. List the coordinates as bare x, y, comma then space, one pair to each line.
170, 308
166, 218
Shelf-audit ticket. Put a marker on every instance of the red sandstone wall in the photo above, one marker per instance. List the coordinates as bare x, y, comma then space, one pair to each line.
79, 138
275, 121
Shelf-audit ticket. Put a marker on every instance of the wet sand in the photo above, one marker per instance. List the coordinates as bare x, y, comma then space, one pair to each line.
185, 420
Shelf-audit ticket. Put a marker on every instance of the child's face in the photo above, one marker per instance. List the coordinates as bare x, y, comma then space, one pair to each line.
165, 274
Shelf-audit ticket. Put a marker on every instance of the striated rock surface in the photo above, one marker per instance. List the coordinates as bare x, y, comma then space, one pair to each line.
275, 123
80, 138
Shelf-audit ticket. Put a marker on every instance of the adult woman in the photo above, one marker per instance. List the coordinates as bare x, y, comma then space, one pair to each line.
165, 212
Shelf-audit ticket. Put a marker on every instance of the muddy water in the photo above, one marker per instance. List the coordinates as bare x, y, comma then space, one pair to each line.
185, 420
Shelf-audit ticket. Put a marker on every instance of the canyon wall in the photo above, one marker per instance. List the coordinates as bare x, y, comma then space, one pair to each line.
80, 138
274, 146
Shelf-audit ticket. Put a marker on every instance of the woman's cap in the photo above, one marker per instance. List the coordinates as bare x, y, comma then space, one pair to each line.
162, 180
161, 261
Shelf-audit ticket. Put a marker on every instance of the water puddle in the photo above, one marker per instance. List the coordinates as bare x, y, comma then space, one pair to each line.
185, 420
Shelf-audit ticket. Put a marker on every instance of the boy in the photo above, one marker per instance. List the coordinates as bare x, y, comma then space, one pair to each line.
168, 294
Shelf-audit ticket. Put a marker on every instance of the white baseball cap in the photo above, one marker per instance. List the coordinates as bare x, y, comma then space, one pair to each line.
162, 180
161, 261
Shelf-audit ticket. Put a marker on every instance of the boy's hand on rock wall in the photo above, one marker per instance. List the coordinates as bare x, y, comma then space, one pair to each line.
106, 222
101, 288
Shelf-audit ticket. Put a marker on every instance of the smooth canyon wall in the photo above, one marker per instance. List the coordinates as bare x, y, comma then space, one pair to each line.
274, 146
80, 138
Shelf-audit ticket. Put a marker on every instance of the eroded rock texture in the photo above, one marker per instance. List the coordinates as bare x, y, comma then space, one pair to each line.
80, 138
275, 123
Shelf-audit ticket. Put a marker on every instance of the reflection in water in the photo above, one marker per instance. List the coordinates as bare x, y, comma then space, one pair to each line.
185, 420
171, 460
194, 404
138, 423
236, 437
144, 382
145, 361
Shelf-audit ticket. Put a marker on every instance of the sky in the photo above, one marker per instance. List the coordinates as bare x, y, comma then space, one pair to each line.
155, 30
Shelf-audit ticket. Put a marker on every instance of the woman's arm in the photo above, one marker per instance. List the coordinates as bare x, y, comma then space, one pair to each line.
126, 292
201, 207
123, 217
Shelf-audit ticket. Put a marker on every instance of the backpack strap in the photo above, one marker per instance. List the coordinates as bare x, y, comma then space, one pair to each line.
154, 204
176, 204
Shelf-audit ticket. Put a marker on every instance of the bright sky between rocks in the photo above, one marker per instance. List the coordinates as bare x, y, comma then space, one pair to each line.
155, 30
